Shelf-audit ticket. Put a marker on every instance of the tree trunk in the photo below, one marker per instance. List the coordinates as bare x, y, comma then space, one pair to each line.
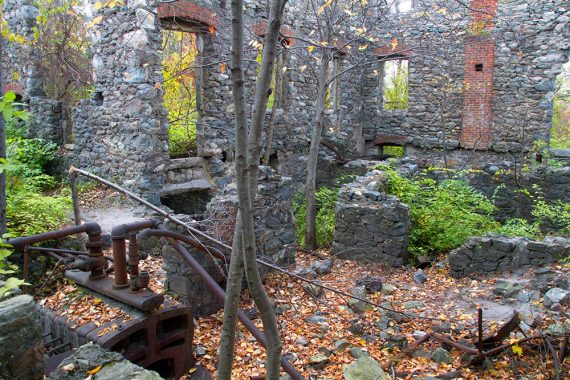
247, 167
310, 233
231, 304
3, 157
277, 104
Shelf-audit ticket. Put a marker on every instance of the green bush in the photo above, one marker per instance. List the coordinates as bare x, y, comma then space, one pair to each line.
444, 214
326, 201
30, 212
519, 227
553, 218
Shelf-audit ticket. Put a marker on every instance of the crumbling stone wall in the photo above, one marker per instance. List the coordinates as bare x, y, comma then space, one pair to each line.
370, 225
21, 342
273, 218
20, 73
503, 184
121, 130
496, 253
182, 280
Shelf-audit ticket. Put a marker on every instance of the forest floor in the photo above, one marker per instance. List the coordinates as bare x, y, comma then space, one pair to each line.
322, 334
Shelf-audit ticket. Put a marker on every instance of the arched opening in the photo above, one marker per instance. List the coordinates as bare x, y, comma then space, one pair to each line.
560, 133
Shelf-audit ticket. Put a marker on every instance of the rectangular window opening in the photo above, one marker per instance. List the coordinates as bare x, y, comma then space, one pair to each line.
182, 89
479, 67
394, 84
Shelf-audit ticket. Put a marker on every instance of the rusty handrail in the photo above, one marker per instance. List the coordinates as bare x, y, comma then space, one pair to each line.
97, 263
221, 295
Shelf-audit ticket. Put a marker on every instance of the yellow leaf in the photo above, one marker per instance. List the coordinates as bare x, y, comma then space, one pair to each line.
94, 22
311, 48
394, 43
321, 9
94, 370
97, 5
97, 301
517, 350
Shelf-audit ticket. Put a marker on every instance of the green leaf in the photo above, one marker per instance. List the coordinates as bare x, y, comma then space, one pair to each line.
10, 96
8, 113
11, 283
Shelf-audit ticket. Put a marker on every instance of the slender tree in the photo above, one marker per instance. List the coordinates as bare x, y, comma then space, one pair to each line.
248, 150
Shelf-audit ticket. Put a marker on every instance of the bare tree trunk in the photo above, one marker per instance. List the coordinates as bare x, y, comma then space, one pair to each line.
2, 156
231, 304
277, 104
310, 233
247, 167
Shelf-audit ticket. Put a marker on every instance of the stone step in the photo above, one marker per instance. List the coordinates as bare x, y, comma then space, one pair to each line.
179, 188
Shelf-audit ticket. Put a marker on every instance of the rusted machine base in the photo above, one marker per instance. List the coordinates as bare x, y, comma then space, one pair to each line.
143, 299
160, 341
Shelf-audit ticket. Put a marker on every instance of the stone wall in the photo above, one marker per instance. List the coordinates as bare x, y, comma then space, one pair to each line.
495, 253
182, 280
21, 342
273, 218
507, 186
21, 74
122, 132
370, 225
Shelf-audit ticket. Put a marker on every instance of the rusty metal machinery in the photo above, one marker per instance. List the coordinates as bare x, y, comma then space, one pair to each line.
91, 270
159, 339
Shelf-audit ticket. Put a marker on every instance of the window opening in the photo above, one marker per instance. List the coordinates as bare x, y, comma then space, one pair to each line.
479, 67
394, 84
560, 133
182, 87
400, 6
258, 59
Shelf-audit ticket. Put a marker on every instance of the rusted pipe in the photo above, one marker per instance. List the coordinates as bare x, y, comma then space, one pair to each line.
185, 239
221, 295
134, 257
89, 228
93, 231
118, 236
26, 268
57, 250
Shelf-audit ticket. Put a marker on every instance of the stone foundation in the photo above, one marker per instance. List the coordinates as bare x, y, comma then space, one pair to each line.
370, 225
496, 253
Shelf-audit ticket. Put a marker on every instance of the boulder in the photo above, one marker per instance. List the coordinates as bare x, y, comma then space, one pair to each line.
364, 368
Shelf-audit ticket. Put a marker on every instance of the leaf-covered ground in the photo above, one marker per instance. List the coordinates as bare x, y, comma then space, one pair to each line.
446, 300
338, 329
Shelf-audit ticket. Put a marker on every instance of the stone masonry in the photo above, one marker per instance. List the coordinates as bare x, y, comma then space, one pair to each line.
21, 342
475, 81
496, 253
370, 225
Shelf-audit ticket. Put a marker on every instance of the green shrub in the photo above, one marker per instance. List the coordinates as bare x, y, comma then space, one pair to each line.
443, 214
326, 201
553, 218
519, 227
30, 212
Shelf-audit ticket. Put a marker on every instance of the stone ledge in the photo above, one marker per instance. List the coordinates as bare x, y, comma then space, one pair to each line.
179, 188
185, 163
